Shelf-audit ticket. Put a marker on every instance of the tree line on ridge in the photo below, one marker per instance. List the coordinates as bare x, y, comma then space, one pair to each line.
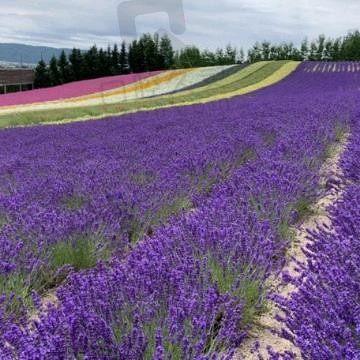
155, 52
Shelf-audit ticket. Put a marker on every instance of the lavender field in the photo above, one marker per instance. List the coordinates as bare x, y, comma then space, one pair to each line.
154, 235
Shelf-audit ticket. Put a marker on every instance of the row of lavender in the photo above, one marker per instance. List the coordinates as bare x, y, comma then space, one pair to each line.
324, 315
99, 187
192, 288
110, 182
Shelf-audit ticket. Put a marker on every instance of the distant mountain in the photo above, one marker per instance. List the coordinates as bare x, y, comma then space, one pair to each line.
27, 54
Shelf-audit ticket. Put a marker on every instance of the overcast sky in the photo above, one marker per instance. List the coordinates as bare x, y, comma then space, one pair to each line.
208, 23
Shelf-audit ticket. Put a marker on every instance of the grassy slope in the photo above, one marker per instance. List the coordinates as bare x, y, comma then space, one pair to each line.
246, 80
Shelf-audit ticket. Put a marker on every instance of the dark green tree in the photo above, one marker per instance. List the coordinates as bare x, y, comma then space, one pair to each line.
123, 59
76, 65
42, 78
208, 58
150, 53
54, 73
220, 57
131, 56
351, 46
136, 56
166, 53
230, 55
313, 51
115, 60
320, 47
90, 63
304, 49
189, 57
328, 50
255, 53
64, 68
274, 52
266, 50
336, 52
102, 64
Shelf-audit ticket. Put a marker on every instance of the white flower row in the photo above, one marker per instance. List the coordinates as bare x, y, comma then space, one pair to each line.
180, 82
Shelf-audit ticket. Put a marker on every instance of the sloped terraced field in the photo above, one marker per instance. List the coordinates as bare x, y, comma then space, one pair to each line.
244, 81
152, 235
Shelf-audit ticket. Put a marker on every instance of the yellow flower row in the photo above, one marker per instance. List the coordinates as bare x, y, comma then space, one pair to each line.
274, 78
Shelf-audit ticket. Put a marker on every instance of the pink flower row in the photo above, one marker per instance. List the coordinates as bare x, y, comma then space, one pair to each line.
74, 89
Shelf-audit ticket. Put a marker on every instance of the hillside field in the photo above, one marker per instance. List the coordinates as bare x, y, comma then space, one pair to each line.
203, 213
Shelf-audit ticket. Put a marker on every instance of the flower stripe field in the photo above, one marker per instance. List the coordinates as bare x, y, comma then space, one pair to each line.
181, 79
251, 78
71, 90
159, 83
159, 229
232, 82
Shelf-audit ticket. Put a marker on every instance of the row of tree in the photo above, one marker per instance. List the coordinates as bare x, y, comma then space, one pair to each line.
152, 52
148, 53
81, 65
321, 49
192, 56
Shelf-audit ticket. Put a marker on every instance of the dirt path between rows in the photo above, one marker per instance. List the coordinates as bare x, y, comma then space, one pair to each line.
265, 331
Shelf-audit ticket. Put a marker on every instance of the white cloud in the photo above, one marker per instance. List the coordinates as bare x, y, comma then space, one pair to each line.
208, 23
